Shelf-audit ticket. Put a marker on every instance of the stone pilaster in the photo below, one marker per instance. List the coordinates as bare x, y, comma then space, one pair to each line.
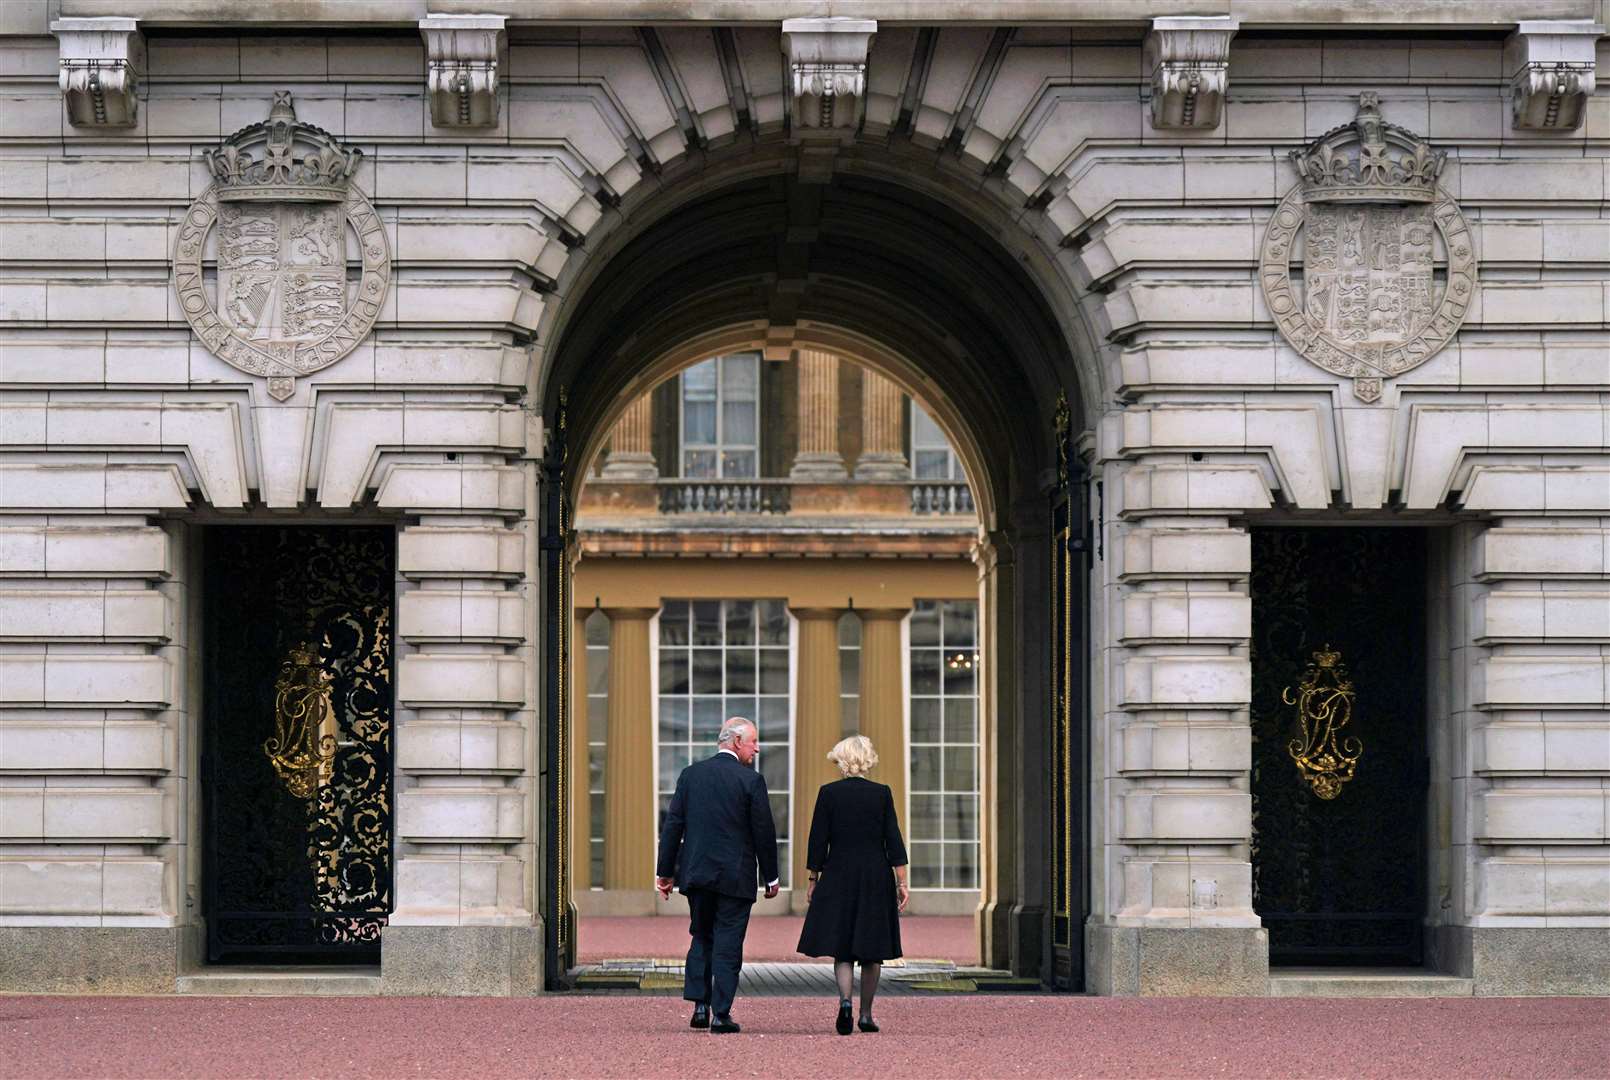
883, 454
1522, 739
629, 825
816, 722
818, 458
883, 699
631, 444
1173, 749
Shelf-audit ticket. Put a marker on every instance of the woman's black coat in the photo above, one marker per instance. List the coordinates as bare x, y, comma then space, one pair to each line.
855, 842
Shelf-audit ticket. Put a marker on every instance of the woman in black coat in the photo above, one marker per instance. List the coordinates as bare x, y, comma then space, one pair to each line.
858, 889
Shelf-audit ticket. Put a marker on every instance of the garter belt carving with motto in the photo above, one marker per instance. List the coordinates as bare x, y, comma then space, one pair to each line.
301, 256
1370, 224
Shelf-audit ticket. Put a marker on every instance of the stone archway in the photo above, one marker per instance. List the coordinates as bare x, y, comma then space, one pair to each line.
910, 274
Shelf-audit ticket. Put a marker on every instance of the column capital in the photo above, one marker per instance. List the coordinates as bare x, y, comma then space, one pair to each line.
629, 613
803, 613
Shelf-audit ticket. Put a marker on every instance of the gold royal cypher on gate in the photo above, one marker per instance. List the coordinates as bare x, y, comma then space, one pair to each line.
282, 305
1370, 211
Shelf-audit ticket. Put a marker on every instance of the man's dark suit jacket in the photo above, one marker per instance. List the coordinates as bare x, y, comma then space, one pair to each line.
718, 828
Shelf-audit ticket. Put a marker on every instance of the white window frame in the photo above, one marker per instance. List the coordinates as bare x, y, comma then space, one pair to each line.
953, 465
721, 446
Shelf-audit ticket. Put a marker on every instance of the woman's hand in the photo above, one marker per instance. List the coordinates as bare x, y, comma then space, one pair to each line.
903, 893
810, 890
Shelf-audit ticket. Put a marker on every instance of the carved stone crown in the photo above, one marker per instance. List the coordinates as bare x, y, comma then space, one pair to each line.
320, 174
1369, 160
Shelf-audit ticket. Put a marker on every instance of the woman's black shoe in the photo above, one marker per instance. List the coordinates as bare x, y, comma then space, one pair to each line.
866, 1024
843, 1026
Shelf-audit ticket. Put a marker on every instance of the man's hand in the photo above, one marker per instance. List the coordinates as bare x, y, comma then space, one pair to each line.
664, 885
771, 890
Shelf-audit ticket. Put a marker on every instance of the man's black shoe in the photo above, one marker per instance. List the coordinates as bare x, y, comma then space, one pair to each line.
701, 1016
724, 1025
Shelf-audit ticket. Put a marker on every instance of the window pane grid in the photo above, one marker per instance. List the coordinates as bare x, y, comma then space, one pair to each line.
596, 644
944, 662
721, 658
721, 418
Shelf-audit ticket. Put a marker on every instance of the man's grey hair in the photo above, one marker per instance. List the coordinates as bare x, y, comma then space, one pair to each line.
733, 730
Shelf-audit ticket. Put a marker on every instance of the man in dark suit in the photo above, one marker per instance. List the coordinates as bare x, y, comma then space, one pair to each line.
718, 829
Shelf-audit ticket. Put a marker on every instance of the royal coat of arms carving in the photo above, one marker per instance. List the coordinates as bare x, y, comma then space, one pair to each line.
301, 258
1371, 225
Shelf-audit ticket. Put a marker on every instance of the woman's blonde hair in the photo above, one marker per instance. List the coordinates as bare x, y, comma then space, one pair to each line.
854, 756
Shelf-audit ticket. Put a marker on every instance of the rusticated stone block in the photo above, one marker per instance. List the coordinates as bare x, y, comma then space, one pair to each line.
1127, 961
461, 961
88, 959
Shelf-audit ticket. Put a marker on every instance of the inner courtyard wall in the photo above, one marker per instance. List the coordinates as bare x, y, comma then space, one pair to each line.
123, 435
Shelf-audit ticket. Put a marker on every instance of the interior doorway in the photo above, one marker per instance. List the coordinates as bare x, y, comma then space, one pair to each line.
910, 277
1339, 752
792, 541
297, 742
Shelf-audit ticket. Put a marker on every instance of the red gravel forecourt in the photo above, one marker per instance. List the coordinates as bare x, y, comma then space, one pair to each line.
984, 1036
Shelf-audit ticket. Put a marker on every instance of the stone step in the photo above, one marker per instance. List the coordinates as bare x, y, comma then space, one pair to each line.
1367, 983
277, 981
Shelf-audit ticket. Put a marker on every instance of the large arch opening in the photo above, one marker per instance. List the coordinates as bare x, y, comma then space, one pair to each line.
878, 270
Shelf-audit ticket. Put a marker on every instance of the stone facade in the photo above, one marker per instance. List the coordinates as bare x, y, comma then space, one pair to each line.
1111, 186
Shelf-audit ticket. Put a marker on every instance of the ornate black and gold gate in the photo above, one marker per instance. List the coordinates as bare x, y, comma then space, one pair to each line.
1070, 552
558, 910
1338, 751
296, 748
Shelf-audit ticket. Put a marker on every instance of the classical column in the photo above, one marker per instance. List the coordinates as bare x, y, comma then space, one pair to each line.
883, 705
883, 454
629, 832
631, 444
818, 457
816, 721
581, 804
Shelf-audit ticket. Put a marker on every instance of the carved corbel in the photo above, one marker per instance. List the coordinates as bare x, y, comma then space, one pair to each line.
461, 68
1551, 66
101, 63
1188, 59
827, 61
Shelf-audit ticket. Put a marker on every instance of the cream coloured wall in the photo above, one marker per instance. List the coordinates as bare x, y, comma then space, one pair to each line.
120, 429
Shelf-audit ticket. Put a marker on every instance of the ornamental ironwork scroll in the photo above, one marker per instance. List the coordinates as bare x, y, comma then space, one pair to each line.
1325, 758
1370, 212
302, 748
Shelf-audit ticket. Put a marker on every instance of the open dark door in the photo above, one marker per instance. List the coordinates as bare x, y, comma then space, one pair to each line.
557, 908
1069, 567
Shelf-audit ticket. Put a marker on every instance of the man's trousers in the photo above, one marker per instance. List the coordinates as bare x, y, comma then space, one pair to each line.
717, 924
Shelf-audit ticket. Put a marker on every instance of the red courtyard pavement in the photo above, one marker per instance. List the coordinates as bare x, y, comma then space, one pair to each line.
354, 1038
924, 937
